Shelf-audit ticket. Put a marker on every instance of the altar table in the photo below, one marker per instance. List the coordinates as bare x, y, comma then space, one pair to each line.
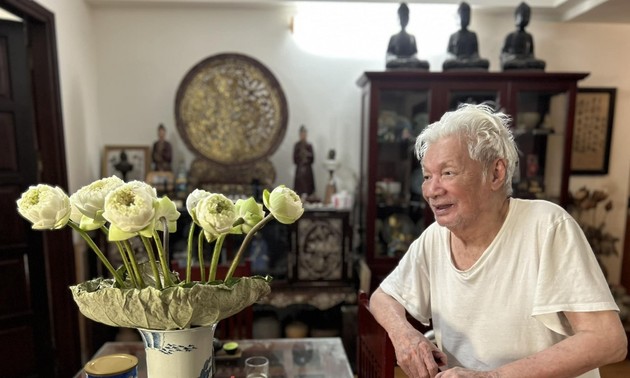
288, 358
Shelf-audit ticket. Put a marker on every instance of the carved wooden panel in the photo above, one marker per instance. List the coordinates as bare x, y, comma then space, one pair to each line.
322, 246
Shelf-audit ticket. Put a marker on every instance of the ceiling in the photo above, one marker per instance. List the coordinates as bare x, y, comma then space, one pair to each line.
606, 11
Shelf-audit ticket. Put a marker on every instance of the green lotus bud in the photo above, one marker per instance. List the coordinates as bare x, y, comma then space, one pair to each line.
250, 211
284, 204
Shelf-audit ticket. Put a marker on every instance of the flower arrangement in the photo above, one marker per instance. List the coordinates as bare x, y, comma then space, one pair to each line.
586, 207
146, 294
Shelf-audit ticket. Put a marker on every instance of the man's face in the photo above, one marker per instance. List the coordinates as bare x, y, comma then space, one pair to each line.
453, 184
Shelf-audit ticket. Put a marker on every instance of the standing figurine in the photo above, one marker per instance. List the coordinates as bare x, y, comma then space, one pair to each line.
162, 151
402, 49
518, 50
303, 158
463, 46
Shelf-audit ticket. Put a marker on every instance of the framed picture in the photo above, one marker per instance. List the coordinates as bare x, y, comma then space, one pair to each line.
127, 162
592, 130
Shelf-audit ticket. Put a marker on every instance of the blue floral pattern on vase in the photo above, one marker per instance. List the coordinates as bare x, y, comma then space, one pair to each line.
175, 345
154, 340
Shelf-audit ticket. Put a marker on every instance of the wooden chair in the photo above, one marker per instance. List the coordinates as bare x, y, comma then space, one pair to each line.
375, 352
237, 326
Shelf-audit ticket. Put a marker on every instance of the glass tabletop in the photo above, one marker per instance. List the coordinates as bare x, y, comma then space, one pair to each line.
299, 358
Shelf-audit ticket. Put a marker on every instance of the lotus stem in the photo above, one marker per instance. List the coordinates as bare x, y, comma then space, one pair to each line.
130, 272
134, 263
245, 243
202, 270
154, 267
163, 256
123, 256
218, 244
191, 236
98, 252
165, 245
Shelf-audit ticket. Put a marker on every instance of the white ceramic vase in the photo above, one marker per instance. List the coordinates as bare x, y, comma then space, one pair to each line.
179, 353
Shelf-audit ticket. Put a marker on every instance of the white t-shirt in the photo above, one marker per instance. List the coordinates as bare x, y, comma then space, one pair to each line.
509, 304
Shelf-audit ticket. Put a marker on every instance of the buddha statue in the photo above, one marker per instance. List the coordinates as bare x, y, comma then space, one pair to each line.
518, 50
463, 46
402, 49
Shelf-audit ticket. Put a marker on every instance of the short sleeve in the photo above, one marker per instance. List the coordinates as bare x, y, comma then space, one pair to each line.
570, 278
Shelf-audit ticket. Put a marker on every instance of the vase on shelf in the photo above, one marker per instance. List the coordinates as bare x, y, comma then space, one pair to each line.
185, 352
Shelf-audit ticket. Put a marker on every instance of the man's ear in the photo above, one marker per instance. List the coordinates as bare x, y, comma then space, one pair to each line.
498, 174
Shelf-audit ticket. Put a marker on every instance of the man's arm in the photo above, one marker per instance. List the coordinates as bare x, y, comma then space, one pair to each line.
415, 354
599, 340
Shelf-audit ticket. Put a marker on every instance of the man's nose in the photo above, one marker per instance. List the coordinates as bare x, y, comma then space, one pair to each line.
432, 187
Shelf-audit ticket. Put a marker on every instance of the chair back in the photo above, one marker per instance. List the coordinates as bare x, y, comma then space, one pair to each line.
375, 352
239, 325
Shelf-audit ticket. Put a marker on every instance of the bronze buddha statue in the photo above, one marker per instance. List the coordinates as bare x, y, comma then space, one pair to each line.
463, 46
402, 49
518, 49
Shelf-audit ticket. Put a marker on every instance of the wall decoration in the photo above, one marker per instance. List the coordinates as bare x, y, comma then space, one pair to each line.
231, 112
592, 130
127, 162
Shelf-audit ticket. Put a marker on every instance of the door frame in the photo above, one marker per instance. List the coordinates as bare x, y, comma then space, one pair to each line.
57, 247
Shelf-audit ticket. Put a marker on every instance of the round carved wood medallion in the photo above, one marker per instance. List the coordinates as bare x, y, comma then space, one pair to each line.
230, 109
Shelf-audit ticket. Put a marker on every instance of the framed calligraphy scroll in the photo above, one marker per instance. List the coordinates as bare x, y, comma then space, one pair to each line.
592, 130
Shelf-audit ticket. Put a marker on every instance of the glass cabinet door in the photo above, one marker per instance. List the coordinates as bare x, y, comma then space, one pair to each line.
399, 219
539, 128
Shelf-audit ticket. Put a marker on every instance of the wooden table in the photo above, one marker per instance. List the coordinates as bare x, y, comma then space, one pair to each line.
307, 357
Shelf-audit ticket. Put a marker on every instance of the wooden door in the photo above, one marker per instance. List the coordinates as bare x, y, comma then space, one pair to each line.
42, 301
24, 330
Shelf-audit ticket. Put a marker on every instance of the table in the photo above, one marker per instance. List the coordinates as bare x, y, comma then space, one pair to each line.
288, 358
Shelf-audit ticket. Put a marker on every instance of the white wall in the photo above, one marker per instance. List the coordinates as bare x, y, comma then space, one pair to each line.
136, 56
144, 54
78, 77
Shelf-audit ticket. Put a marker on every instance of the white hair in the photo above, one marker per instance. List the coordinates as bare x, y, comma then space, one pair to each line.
486, 134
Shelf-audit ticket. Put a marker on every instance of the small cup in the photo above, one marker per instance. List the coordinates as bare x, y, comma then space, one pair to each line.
113, 366
257, 367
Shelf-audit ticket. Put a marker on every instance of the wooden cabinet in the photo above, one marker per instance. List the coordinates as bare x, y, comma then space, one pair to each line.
397, 105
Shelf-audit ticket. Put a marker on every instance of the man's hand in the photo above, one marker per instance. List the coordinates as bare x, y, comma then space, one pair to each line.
417, 356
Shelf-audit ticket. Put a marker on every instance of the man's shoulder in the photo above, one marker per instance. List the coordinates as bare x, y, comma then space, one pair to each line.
528, 209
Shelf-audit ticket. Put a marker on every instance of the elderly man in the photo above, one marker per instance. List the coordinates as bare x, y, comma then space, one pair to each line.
511, 285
